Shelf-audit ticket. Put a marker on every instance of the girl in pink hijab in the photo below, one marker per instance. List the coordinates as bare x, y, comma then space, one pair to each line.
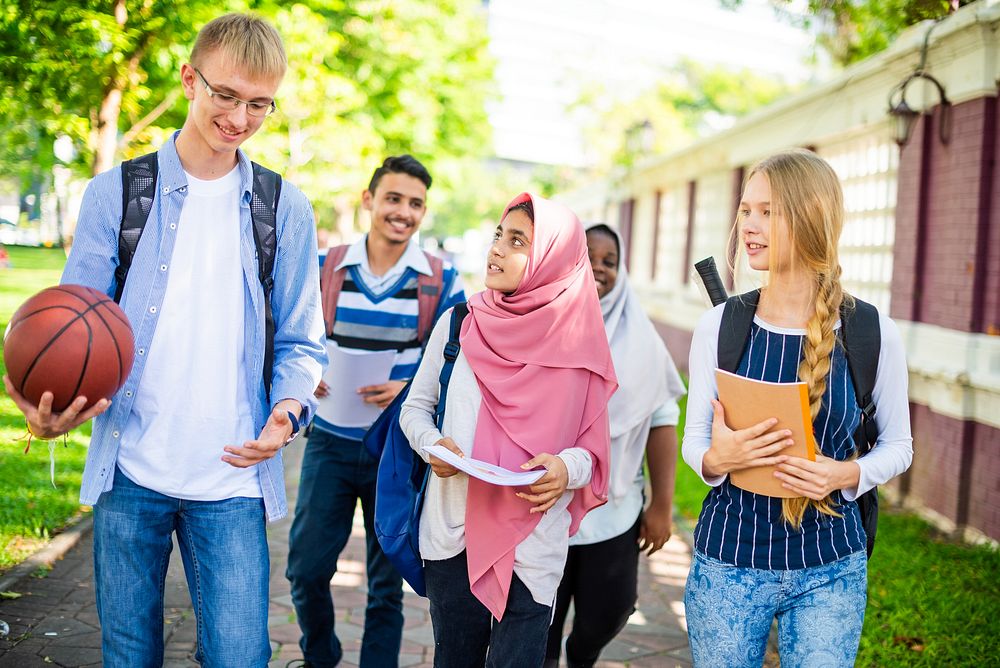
530, 389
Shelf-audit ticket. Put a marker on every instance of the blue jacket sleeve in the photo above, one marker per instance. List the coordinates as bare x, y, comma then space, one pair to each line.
299, 335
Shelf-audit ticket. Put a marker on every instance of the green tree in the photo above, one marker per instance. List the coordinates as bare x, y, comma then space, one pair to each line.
688, 101
94, 70
372, 78
852, 30
366, 78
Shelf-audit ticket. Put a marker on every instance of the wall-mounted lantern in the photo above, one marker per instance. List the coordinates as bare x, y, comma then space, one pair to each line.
904, 116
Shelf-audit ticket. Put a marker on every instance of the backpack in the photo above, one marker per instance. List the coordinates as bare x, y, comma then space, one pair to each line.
138, 191
402, 475
429, 290
862, 339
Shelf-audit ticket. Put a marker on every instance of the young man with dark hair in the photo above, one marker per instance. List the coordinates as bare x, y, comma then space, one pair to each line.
400, 164
192, 442
380, 293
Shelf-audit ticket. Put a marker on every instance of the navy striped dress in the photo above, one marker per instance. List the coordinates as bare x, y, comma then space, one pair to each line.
747, 529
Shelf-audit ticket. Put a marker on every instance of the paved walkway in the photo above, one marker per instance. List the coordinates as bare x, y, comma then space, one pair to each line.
54, 622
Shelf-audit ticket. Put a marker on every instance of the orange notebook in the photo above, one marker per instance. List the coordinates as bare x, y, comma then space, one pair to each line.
749, 402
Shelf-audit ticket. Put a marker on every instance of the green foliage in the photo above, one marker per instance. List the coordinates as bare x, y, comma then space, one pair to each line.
34, 511
688, 101
374, 78
63, 60
852, 30
366, 78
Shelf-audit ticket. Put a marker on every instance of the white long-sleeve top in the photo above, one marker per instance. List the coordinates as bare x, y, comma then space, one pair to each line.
893, 450
539, 559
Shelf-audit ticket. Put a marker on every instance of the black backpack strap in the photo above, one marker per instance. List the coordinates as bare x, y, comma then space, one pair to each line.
734, 331
862, 340
263, 219
138, 191
451, 350
861, 337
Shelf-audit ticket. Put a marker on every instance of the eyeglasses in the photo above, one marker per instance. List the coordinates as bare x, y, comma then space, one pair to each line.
231, 102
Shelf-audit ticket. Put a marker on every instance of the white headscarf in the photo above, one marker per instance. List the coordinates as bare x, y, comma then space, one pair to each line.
647, 376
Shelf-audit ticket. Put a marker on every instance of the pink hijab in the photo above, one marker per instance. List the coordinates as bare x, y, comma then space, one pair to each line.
541, 358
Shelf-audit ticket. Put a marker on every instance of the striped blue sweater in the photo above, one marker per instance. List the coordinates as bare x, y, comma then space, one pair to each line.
746, 529
385, 321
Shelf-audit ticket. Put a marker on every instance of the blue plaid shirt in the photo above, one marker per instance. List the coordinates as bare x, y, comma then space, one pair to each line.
299, 347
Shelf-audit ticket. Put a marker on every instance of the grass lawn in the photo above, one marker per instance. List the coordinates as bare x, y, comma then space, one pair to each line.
33, 511
931, 601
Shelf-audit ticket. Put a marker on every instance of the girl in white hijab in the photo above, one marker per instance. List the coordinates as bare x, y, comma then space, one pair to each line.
601, 575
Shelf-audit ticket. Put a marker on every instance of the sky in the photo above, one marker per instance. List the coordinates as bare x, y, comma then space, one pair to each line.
546, 51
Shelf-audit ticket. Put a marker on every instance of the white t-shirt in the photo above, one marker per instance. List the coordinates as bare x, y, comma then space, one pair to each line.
193, 399
613, 519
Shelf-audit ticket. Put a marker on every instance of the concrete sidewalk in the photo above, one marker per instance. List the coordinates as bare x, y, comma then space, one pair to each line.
54, 622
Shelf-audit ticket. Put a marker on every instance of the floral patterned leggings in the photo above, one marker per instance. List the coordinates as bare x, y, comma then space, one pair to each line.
820, 612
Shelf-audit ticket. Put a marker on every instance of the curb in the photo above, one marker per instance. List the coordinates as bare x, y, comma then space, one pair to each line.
51, 553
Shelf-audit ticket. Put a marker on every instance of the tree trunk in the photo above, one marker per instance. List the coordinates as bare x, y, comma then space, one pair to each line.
106, 139
107, 131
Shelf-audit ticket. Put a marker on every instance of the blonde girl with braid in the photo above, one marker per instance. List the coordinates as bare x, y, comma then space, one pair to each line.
801, 560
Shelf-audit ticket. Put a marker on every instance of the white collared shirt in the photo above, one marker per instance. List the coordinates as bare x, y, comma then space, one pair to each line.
412, 258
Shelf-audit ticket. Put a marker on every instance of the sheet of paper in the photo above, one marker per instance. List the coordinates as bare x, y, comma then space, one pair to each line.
349, 370
487, 472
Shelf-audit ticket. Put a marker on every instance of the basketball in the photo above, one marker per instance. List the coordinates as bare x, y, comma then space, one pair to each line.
70, 340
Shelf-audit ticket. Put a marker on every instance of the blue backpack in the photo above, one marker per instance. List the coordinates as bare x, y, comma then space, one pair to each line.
402, 474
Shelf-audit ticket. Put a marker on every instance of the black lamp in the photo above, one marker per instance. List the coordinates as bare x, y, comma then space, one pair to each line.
903, 115
903, 118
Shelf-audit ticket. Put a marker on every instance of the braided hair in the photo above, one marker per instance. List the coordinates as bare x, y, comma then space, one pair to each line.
806, 193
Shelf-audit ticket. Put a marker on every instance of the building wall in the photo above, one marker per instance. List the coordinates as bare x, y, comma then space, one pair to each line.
991, 288
984, 480
947, 189
935, 476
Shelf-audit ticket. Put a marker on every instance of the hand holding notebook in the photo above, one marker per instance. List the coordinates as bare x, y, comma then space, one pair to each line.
748, 402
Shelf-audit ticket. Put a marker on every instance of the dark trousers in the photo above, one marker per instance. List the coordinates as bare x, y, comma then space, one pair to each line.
602, 581
336, 473
465, 633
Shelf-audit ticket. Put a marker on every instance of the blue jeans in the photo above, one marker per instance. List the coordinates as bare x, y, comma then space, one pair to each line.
336, 472
224, 549
820, 612
464, 628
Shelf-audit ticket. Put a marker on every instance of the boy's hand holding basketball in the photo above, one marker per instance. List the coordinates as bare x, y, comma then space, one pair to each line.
43, 423
273, 437
547, 490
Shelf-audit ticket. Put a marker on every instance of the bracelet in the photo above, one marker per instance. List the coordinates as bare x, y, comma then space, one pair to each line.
295, 428
32, 435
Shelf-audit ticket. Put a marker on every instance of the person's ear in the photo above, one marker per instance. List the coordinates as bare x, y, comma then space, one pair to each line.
366, 200
188, 77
